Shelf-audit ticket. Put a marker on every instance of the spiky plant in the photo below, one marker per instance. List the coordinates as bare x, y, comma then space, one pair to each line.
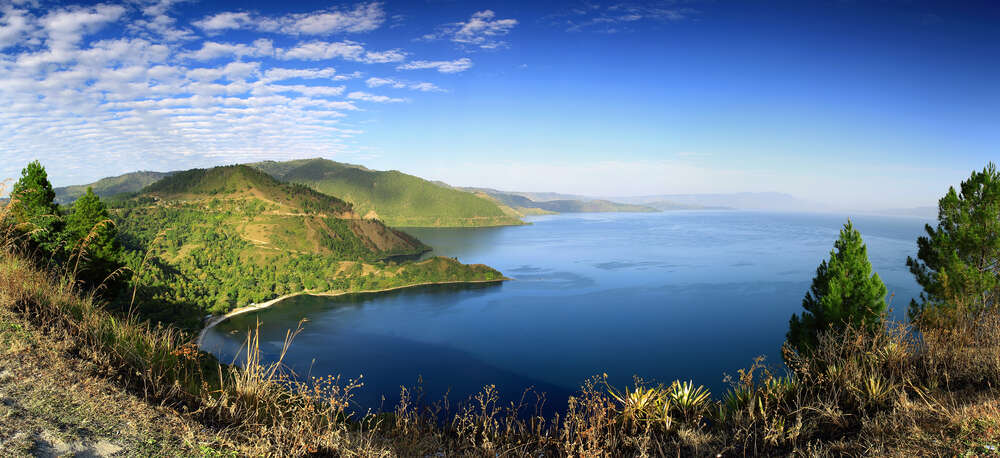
689, 400
638, 403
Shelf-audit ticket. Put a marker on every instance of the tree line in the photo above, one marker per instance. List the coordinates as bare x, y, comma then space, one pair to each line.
957, 265
174, 262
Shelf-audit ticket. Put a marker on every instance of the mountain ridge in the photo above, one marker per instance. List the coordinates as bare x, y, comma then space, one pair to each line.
230, 236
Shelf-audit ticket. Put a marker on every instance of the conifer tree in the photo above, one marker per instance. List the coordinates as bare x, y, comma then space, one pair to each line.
959, 261
91, 236
34, 208
844, 292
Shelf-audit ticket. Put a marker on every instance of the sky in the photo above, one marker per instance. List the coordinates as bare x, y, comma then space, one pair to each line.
857, 104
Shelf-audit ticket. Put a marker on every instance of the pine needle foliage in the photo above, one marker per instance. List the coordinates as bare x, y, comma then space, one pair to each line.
93, 237
33, 206
845, 292
958, 262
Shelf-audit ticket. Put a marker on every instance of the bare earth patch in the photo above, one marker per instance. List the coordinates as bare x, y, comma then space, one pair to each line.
55, 404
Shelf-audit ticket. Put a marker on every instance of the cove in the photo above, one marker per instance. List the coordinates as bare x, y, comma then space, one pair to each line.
674, 295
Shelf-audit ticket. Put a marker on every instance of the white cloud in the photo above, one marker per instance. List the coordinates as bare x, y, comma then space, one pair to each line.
134, 86
367, 97
364, 17
279, 74
620, 17
212, 50
13, 25
347, 50
482, 30
224, 21
399, 84
68, 26
385, 57
157, 21
234, 71
312, 91
443, 66
320, 50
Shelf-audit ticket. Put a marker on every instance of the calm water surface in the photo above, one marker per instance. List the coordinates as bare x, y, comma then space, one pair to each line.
673, 295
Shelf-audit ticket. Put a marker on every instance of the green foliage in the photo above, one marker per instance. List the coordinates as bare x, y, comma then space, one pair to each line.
228, 237
845, 292
240, 178
959, 261
92, 237
397, 198
34, 208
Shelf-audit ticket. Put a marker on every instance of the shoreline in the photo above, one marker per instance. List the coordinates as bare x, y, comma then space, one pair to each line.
215, 320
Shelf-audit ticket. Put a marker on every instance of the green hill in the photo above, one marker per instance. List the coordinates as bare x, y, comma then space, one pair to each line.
230, 236
394, 197
250, 204
110, 186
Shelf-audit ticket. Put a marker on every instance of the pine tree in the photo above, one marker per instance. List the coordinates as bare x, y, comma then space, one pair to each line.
844, 292
34, 208
91, 235
959, 261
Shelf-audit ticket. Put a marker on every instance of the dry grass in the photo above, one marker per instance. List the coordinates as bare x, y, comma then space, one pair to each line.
897, 392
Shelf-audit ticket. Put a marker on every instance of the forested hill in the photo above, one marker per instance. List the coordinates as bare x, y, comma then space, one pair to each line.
394, 197
229, 236
110, 186
242, 182
245, 202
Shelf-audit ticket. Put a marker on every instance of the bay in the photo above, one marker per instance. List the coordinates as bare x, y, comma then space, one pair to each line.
690, 295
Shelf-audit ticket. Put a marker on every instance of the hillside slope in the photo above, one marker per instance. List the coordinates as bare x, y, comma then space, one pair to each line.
394, 197
110, 186
276, 215
226, 237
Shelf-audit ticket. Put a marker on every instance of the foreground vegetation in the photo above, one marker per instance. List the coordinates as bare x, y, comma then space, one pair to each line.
858, 393
859, 387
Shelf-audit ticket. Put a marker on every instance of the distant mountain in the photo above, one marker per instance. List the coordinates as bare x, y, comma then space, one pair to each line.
772, 201
107, 187
666, 205
549, 196
522, 203
928, 212
399, 199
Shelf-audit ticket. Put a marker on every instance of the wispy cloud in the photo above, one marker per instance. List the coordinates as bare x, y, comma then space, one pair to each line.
364, 17
402, 84
367, 97
13, 26
347, 50
443, 66
620, 16
85, 86
482, 30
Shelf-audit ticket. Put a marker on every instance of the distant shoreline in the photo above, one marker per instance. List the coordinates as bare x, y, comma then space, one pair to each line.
215, 320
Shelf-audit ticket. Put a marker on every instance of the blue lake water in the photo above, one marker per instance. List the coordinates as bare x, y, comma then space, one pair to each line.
673, 295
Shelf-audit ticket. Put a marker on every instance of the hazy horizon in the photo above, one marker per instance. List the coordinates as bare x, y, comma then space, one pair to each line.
865, 106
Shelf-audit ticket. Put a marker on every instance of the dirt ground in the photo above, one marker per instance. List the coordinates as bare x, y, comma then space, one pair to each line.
56, 404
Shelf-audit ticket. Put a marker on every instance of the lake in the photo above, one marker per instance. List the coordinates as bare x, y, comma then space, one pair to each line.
673, 295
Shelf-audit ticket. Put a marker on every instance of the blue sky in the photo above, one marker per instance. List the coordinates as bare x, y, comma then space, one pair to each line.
859, 104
